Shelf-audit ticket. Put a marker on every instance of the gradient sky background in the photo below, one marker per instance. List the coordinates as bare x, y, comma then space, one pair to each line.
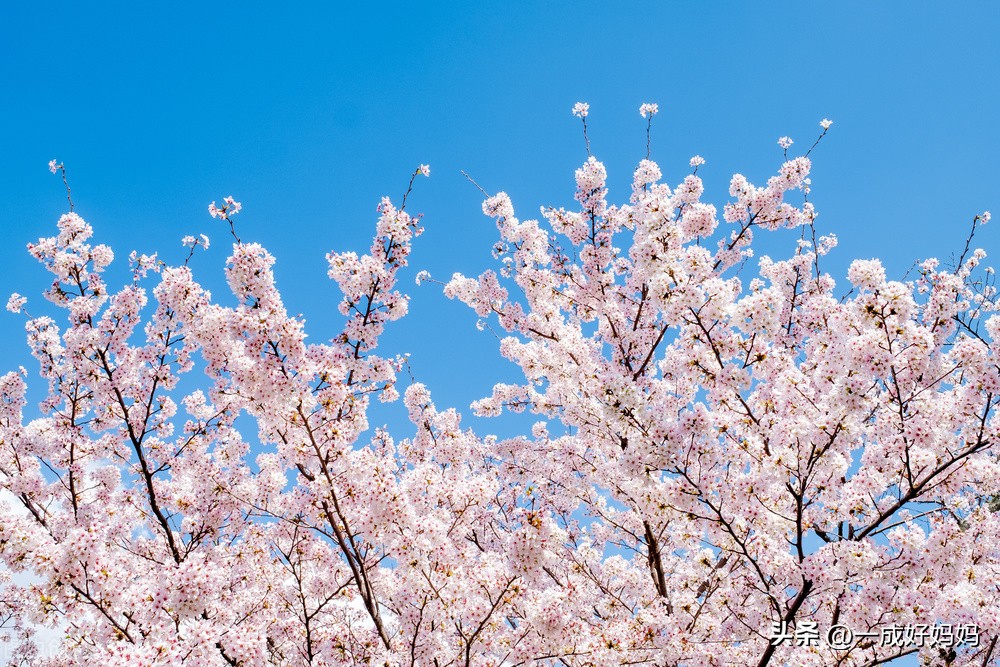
308, 117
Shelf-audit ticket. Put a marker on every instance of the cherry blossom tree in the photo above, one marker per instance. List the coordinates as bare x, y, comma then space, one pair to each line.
725, 469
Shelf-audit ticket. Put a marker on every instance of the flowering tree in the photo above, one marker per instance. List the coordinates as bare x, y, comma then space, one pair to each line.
723, 473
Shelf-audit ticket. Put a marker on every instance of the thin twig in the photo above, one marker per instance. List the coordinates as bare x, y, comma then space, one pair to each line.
471, 180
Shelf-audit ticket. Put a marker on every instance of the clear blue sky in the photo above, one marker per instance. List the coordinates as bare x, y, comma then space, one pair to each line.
309, 115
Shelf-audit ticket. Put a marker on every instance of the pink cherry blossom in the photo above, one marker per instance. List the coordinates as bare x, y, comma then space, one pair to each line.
717, 444
16, 302
648, 109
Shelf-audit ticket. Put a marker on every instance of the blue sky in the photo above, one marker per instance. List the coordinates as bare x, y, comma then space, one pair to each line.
309, 116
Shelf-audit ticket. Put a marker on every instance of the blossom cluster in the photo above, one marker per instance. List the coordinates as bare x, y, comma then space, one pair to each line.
712, 454
229, 208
